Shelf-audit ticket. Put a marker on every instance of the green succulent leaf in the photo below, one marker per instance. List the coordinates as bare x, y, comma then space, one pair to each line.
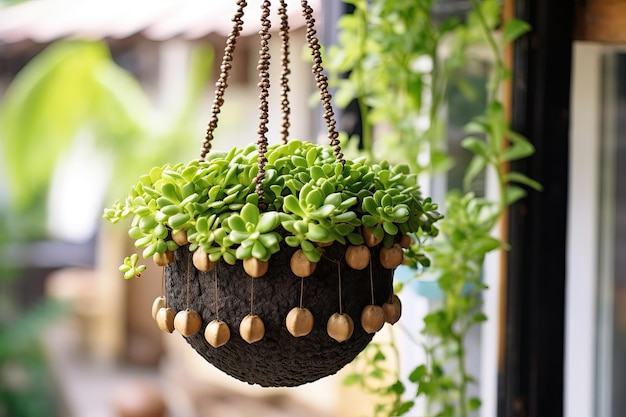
270, 241
178, 221
390, 228
237, 224
317, 233
238, 237
292, 241
292, 205
259, 251
268, 222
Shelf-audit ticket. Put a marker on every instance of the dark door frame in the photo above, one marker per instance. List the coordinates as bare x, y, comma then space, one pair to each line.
531, 379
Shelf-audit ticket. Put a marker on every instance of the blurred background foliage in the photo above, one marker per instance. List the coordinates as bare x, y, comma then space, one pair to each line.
73, 91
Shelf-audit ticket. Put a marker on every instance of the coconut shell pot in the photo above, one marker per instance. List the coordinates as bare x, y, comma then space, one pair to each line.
225, 229
279, 359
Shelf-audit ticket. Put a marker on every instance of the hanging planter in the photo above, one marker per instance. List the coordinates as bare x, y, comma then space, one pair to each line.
278, 260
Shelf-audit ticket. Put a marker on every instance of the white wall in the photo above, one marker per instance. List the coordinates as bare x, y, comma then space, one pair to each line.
582, 239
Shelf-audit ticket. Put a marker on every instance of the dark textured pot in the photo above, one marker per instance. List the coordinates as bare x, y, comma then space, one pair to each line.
279, 359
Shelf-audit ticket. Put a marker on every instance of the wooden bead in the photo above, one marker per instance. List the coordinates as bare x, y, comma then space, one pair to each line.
392, 257
299, 321
254, 267
165, 319
157, 304
340, 327
300, 265
252, 328
217, 333
187, 322
372, 318
358, 257
392, 309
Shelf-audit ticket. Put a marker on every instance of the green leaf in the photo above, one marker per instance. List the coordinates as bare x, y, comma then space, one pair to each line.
317, 233
418, 374
397, 388
236, 223
479, 318
292, 241
323, 212
404, 408
346, 217
390, 228
522, 179
268, 222
513, 194
475, 167
343, 229
238, 237
292, 205
356, 239
134, 233
244, 252
311, 155
250, 213
520, 147
369, 221
369, 205
334, 199
169, 191
474, 404
315, 198
149, 251
477, 146
301, 227
314, 254
259, 251
317, 173
229, 258
352, 379
270, 240
178, 221
515, 28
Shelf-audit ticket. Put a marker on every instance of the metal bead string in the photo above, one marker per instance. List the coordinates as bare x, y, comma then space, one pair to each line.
321, 80
286, 71
222, 82
264, 83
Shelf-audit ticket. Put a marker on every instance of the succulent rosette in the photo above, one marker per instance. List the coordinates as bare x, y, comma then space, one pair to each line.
310, 200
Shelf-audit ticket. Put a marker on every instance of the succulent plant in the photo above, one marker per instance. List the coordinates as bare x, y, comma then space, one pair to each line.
310, 200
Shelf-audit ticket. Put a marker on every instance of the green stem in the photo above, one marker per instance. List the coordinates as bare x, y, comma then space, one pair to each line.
462, 374
492, 95
491, 41
366, 126
396, 377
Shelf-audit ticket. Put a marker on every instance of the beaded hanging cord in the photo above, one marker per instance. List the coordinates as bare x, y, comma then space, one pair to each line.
264, 83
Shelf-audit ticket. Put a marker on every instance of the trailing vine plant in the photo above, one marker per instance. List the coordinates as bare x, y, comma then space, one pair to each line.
393, 51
